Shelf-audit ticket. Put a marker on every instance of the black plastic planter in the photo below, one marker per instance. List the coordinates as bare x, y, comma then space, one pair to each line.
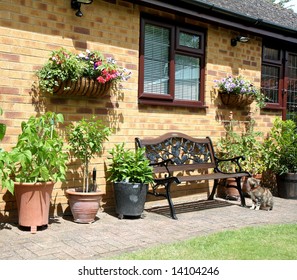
129, 198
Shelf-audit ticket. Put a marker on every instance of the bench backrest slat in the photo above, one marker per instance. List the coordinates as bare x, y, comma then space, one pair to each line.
186, 152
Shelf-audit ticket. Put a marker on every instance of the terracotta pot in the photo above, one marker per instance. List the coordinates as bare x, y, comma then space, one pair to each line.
84, 205
227, 189
238, 100
83, 87
33, 202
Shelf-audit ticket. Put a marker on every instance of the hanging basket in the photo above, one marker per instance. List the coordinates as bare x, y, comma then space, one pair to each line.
238, 100
83, 87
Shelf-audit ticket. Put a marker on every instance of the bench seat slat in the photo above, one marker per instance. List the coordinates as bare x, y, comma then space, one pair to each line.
211, 176
185, 167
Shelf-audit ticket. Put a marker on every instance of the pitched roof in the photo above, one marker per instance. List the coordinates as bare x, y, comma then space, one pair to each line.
256, 16
262, 10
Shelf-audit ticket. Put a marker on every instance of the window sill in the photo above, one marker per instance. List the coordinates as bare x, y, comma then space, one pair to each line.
184, 104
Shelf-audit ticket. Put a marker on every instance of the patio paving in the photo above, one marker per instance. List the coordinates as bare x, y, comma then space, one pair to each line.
109, 236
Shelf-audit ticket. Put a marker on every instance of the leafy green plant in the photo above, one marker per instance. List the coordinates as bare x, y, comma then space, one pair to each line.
2, 127
86, 139
61, 66
39, 154
129, 166
239, 85
2, 154
244, 143
64, 65
281, 147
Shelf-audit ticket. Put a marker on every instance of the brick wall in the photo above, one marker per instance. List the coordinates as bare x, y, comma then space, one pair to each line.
30, 30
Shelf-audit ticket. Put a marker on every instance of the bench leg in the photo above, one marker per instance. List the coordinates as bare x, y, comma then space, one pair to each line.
171, 206
214, 189
242, 199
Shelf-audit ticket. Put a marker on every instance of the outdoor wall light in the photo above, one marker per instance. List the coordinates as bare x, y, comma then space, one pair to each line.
240, 38
75, 5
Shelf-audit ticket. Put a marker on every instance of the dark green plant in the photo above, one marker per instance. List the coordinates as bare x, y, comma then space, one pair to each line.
86, 139
243, 143
281, 147
2, 127
129, 165
39, 154
2, 154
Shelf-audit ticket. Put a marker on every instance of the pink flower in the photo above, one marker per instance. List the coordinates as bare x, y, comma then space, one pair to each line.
98, 63
101, 80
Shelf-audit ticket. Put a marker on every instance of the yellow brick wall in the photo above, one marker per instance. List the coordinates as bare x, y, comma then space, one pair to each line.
30, 30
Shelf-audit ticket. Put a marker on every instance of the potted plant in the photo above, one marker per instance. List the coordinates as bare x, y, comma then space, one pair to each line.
237, 91
86, 139
32, 167
130, 172
280, 156
244, 142
87, 73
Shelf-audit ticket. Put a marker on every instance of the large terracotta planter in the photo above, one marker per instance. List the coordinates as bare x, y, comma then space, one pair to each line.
82, 87
237, 100
33, 202
84, 205
227, 189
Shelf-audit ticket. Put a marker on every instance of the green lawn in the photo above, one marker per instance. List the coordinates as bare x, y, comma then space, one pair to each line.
274, 242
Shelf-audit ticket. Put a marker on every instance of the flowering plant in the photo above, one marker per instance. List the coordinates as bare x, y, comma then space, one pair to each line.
238, 85
95, 66
64, 65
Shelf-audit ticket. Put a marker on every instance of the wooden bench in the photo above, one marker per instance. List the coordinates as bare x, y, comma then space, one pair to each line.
179, 158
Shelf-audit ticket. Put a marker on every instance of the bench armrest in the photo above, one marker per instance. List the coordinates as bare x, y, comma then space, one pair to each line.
235, 161
165, 164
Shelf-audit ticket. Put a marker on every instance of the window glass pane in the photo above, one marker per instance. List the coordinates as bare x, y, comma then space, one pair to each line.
189, 40
187, 72
269, 83
156, 58
271, 54
292, 88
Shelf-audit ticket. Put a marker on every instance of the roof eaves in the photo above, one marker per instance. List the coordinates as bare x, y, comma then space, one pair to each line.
213, 13
244, 17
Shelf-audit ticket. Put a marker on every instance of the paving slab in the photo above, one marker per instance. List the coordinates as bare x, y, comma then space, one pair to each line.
109, 236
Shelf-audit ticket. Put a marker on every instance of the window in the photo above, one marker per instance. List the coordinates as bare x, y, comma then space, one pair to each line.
271, 76
171, 64
291, 89
279, 79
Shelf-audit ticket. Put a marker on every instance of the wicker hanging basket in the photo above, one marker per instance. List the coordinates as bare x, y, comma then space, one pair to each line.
237, 100
83, 87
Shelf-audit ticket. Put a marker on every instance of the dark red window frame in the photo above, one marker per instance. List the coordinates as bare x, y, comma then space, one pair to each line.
277, 64
175, 48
